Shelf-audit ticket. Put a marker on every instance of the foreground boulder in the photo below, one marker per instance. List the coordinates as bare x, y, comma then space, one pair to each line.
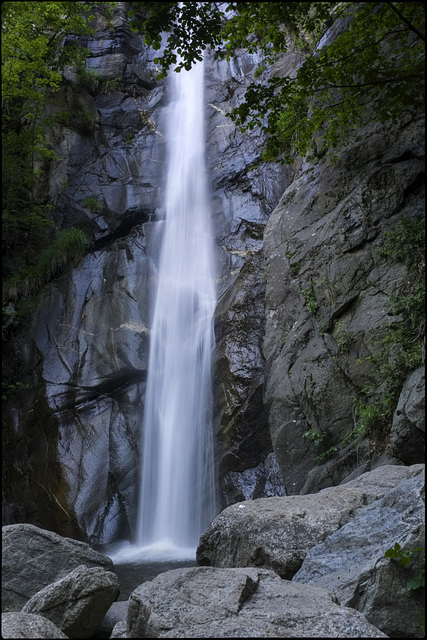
207, 602
276, 533
340, 536
351, 562
77, 603
28, 625
33, 558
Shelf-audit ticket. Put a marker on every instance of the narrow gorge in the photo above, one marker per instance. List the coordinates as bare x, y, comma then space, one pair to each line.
304, 287
217, 383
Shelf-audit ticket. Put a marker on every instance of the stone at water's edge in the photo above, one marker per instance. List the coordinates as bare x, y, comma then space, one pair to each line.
78, 602
208, 602
276, 532
335, 539
28, 625
50, 557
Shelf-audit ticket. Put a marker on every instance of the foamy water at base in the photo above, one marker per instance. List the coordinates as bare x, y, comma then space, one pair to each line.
160, 551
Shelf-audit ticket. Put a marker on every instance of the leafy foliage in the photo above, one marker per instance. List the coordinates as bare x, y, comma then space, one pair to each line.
192, 27
68, 246
21, 287
405, 557
372, 69
35, 51
401, 348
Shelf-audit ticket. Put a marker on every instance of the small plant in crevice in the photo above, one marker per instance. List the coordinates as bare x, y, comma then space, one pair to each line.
108, 85
322, 457
22, 288
84, 121
369, 418
265, 275
319, 438
88, 79
128, 138
9, 388
309, 386
92, 203
296, 266
327, 288
407, 558
342, 337
316, 437
310, 297
259, 70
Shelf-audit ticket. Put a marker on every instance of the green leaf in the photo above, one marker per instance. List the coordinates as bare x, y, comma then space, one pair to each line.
416, 583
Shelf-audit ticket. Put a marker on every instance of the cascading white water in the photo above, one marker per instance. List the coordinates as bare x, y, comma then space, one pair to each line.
177, 499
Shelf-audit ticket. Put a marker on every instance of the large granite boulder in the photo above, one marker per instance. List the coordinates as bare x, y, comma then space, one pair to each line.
277, 532
338, 538
28, 625
33, 558
208, 602
351, 561
78, 602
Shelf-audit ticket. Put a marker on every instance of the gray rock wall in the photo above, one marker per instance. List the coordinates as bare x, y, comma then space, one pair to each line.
328, 298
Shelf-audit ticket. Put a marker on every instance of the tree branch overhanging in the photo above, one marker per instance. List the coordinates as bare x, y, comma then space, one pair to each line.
406, 21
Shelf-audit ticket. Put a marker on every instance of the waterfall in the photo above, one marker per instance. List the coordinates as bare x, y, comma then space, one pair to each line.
177, 499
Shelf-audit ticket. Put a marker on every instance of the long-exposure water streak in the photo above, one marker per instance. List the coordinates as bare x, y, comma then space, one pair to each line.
177, 498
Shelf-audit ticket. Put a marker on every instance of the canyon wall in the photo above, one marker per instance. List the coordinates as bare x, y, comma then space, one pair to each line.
284, 236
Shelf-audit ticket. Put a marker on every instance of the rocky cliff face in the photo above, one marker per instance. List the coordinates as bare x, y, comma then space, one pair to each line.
72, 443
328, 304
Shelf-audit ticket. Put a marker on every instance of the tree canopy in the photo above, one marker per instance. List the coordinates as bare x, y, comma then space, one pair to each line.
371, 69
34, 55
